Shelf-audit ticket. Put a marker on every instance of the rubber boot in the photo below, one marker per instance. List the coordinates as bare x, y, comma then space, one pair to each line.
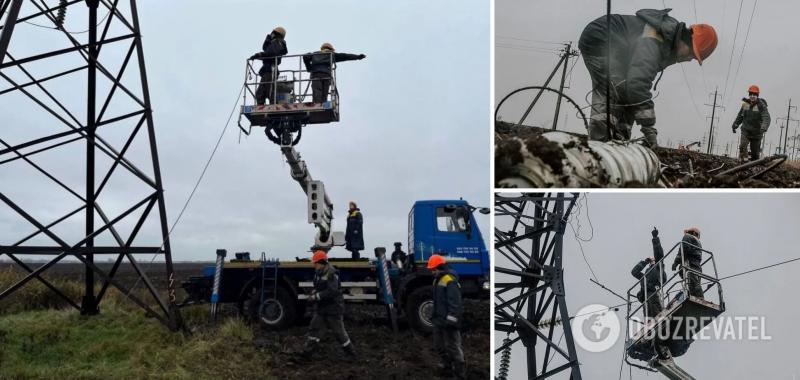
460, 370
350, 351
444, 369
650, 136
598, 130
310, 347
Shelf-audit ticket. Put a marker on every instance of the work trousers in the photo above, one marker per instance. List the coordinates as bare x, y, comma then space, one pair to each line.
266, 88
754, 141
320, 86
693, 280
447, 343
335, 323
622, 117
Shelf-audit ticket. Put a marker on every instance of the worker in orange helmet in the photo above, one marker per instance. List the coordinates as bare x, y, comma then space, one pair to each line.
754, 119
446, 319
690, 256
328, 304
641, 46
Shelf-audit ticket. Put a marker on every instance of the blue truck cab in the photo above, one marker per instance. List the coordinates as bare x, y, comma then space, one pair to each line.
273, 293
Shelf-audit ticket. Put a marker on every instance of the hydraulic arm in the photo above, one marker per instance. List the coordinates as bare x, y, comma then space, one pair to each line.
320, 208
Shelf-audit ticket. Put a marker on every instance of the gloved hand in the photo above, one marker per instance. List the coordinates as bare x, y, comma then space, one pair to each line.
252, 57
733, 128
675, 265
649, 259
313, 297
362, 56
654, 232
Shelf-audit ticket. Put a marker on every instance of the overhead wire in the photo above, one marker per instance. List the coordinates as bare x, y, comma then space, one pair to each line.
70, 32
744, 45
196, 185
529, 40
733, 49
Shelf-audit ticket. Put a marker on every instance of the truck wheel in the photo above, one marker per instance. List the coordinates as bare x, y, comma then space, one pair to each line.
419, 309
277, 311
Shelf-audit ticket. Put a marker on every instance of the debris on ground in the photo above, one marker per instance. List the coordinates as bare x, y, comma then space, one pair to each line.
679, 168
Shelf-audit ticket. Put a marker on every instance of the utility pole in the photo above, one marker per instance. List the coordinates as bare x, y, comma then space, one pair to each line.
565, 55
789, 120
714, 107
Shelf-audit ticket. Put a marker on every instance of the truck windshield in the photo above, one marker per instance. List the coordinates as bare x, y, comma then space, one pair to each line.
450, 220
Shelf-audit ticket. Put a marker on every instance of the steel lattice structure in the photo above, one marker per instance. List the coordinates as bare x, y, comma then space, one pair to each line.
529, 231
118, 29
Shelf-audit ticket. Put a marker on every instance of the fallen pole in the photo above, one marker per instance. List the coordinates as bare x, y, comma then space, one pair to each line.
780, 158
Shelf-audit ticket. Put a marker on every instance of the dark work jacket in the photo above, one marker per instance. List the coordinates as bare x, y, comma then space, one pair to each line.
641, 47
354, 235
655, 277
398, 254
272, 47
320, 62
326, 285
753, 117
693, 255
447, 306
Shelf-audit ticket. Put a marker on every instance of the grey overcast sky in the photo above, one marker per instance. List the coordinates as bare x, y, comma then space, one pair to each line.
770, 59
744, 231
414, 120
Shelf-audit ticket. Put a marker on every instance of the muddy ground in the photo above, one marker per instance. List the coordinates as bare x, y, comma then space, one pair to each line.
381, 353
680, 168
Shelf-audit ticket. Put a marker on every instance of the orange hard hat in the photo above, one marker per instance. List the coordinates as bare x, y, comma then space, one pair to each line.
704, 41
754, 89
693, 230
435, 261
319, 256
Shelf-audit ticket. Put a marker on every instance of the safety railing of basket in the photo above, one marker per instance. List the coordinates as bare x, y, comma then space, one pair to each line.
676, 284
291, 71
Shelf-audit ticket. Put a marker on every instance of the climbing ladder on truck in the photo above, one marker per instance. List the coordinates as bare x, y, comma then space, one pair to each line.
681, 312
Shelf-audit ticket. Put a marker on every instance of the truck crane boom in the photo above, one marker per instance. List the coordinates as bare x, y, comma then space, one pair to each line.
320, 207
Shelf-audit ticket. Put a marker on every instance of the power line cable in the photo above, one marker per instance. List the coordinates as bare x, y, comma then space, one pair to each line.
196, 185
733, 49
529, 40
741, 54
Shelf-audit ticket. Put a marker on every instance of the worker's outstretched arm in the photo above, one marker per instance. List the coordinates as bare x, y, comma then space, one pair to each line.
455, 307
341, 57
658, 250
765, 118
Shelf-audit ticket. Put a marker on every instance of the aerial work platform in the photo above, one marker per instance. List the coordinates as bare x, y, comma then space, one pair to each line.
682, 317
290, 103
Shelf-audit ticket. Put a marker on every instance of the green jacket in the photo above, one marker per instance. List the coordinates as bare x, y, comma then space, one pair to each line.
642, 46
753, 117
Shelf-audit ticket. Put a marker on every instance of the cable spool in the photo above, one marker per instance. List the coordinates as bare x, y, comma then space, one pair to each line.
62, 13
505, 360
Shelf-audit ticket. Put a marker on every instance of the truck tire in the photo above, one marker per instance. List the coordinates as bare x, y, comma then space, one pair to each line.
278, 311
419, 309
